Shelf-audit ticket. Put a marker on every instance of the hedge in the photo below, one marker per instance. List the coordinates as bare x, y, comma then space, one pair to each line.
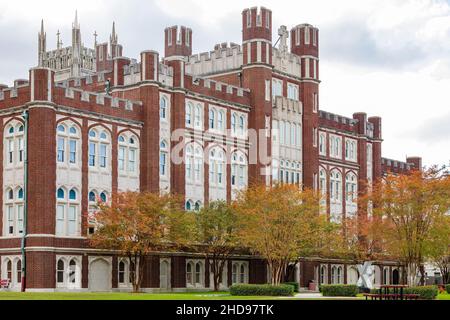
339, 290
425, 293
264, 290
294, 284
447, 288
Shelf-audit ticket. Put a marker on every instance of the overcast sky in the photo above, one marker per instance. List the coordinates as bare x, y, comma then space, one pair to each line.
388, 58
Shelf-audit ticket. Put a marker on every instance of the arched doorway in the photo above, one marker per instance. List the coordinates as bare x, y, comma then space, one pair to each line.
352, 275
164, 275
100, 276
395, 277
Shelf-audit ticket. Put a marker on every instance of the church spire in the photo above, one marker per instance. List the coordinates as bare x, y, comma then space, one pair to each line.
42, 45
113, 38
75, 24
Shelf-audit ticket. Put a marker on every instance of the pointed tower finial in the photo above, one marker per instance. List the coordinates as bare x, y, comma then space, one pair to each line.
42, 26
114, 38
76, 25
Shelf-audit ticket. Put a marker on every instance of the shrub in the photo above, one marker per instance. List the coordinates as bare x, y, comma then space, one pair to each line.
447, 288
265, 290
339, 290
294, 284
425, 293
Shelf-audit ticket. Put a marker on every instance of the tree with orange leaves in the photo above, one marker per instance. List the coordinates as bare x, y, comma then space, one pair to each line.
139, 224
409, 207
280, 223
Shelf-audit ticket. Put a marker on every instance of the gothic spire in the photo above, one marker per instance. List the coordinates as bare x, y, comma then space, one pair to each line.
113, 38
75, 24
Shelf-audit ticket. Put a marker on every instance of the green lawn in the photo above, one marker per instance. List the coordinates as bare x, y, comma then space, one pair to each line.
124, 296
148, 296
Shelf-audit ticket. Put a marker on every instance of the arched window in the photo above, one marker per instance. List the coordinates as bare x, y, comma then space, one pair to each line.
163, 153
212, 118
351, 188
198, 205
72, 271
335, 186
217, 174
20, 194
68, 144
99, 149
68, 213
19, 271
322, 181
14, 211
241, 125
242, 274
163, 108
92, 196
339, 275
194, 163
220, 119
122, 272
189, 205
239, 170
60, 271
189, 109
128, 154
103, 197
334, 275
235, 273
9, 270
198, 116
14, 144
233, 123
190, 273
323, 275
198, 273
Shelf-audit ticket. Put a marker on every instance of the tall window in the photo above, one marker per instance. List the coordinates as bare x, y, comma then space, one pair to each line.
99, 148
351, 188
189, 110
68, 213
217, 174
163, 108
198, 117
194, 163
292, 91
128, 154
163, 155
336, 186
277, 87
239, 272
14, 144
238, 170
212, 119
322, 144
13, 212
68, 273
68, 144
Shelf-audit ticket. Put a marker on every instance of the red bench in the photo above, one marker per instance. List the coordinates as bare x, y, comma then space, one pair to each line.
4, 283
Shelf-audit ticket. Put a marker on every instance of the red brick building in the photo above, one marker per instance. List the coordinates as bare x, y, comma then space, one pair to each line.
247, 112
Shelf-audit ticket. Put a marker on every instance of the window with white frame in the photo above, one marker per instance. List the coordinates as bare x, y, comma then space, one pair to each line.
68, 272
351, 189
323, 275
194, 163
128, 154
315, 102
14, 144
307, 35
198, 116
195, 274
350, 150
287, 134
293, 92
322, 181
239, 272
68, 212
277, 87
68, 144
315, 136
282, 132
11, 268
163, 159
322, 144
13, 211
238, 124
99, 149
335, 146
94, 198
217, 119
189, 114
239, 170
298, 135
163, 108
336, 186
217, 167
123, 273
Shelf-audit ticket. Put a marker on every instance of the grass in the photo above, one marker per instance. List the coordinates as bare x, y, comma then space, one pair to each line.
150, 296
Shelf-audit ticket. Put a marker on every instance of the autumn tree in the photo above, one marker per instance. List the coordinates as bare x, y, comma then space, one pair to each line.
279, 223
217, 234
410, 206
139, 224
438, 247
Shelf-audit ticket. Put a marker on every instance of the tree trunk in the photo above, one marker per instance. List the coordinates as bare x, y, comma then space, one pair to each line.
412, 269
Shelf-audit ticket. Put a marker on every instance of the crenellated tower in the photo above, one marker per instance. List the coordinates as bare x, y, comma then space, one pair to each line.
257, 76
305, 44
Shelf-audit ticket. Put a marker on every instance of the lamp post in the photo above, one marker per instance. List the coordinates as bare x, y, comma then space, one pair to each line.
25, 197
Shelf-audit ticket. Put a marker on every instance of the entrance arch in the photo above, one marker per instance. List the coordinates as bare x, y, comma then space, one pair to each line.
395, 277
352, 275
100, 275
164, 275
